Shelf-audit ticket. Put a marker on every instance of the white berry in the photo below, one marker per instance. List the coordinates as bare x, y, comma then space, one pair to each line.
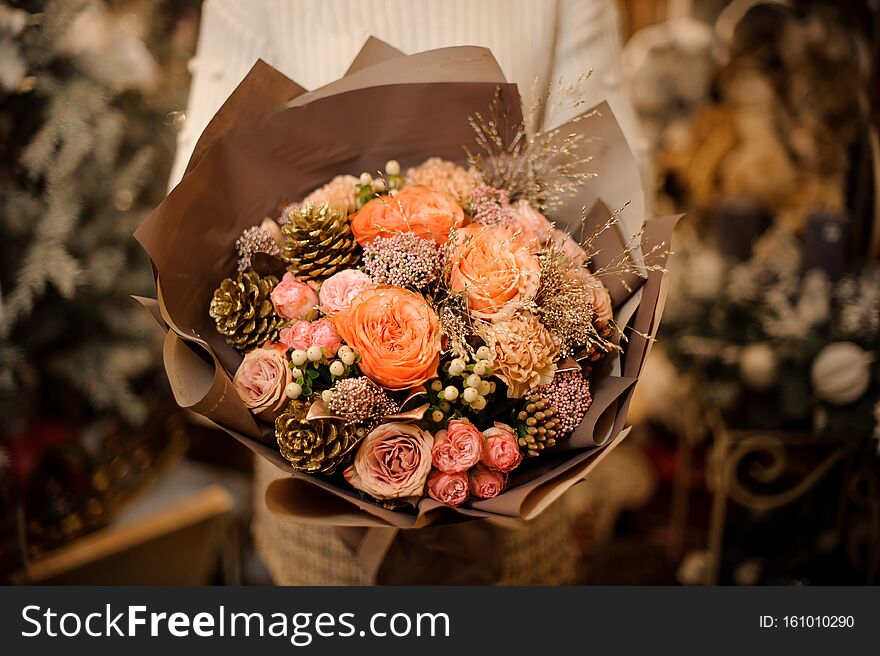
437, 416
436, 385
392, 167
457, 367
315, 354
473, 380
470, 394
479, 403
482, 368
484, 353
450, 393
299, 357
366, 178
444, 406
327, 395
296, 372
337, 368
378, 184
293, 390
347, 355
484, 387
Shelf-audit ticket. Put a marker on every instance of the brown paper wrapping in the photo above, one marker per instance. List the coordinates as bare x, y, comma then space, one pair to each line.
272, 142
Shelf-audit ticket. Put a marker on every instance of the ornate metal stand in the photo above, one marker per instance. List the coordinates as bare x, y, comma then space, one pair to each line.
748, 468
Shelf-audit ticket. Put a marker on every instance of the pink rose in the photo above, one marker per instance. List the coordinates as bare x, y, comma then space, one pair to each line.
297, 335
569, 247
486, 483
324, 334
262, 377
500, 449
294, 299
338, 290
528, 219
392, 462
448, 488
458, 448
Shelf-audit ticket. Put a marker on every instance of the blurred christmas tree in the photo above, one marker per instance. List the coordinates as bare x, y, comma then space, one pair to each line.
86, 147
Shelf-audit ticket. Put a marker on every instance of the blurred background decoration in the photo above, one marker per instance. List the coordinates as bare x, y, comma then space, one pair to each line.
755, 457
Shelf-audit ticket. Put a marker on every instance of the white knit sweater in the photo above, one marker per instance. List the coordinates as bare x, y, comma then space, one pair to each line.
539, 44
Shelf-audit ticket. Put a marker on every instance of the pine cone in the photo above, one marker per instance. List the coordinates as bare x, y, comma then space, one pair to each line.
536, 426
317, 242
243, 310
317, 446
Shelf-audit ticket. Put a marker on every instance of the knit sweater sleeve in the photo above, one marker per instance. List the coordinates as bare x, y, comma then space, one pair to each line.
230, 41
588, 39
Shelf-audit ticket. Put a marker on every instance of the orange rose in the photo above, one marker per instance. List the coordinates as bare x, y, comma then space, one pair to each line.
496, 269
396, 333
427, 213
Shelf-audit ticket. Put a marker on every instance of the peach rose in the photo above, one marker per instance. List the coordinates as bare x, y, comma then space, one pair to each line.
392, 462
338, 290
427, 213
486, 483
569, 247
396, 333
323, 333
262, 377
500, 450
296, 335
601, 299
294, 299
458, 448
527, 218
448, 488
601, 302
496, 270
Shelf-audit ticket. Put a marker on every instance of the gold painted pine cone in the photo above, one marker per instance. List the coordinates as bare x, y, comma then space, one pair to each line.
317, 242
318, 446
243, 311
536, 426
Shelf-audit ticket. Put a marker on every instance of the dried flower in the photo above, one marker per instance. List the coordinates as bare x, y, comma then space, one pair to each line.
523, 353
254, 240
569, 394
403, 260
446, 176
491, 206
360, 400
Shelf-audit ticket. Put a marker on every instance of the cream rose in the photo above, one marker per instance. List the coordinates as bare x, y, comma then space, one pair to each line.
262, 377
392, 462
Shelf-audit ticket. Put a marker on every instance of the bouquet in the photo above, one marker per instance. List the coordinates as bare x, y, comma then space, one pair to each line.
393, 290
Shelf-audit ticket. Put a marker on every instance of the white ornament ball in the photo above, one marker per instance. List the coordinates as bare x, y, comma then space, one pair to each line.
758, 366
841, 373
